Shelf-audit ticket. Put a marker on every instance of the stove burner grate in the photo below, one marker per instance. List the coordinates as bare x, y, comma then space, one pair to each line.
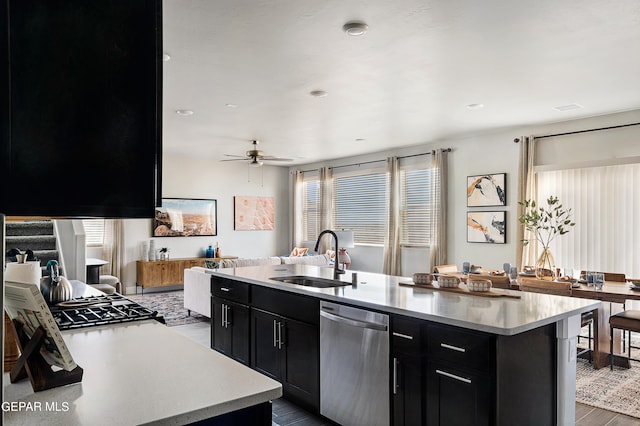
100, 310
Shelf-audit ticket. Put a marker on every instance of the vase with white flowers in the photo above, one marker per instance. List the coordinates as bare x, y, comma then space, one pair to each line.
546, 223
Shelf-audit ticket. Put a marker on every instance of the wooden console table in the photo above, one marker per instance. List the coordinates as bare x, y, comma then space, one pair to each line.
160, 273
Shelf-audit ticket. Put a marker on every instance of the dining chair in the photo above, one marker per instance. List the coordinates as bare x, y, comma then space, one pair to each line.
445, 269
497, 281
628, 321
561, 288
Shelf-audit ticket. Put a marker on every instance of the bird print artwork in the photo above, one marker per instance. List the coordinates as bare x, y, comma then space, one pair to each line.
486, 190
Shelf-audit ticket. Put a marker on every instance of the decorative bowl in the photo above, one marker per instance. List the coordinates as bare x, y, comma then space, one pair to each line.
448, 281
422, 278
479, 285
475, 269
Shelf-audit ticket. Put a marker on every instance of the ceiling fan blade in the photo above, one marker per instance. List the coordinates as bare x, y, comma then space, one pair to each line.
270, 158
240, 156
236, 159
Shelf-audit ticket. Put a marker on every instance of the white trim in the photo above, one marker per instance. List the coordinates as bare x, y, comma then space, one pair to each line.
587, 164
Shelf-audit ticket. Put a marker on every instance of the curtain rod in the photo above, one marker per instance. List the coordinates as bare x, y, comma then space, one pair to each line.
516, 140
377, 161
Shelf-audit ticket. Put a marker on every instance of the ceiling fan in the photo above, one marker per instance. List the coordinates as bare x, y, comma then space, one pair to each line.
255, 157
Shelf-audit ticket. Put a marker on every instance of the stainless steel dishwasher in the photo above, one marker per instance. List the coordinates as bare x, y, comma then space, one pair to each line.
354, 365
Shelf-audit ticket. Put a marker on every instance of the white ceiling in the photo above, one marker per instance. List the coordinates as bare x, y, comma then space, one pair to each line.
407, 81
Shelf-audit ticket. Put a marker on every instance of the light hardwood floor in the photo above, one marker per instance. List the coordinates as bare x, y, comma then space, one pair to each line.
285, 413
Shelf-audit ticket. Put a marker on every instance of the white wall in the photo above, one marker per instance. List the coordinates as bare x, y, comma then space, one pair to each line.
491, 152
189, 177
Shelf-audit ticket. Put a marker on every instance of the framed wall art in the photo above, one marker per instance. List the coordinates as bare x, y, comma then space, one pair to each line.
487, 227
253, 213
487, 190
183, 217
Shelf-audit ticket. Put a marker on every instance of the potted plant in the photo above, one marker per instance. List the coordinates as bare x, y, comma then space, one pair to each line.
164, 253
546, 223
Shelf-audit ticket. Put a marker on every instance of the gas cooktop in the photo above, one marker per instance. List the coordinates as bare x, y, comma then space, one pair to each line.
100, 310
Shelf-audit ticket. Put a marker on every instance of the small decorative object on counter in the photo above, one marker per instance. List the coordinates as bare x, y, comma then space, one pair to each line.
218, 253
209, 253
422, 278
164, 253
448, 281
152, 250
145, 251
478, 284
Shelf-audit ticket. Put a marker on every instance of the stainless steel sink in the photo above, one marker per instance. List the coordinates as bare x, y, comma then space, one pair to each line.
310, 281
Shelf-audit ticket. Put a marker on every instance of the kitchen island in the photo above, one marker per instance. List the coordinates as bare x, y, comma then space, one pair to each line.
138, 373
528, 357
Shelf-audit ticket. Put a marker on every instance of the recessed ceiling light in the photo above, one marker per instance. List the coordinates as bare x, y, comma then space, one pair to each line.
231, 105
475, 106
568, 107
355, 28
360, 139
166, 57
184, 112
318, 93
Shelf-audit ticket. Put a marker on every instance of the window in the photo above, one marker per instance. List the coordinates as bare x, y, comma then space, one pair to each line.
606, 204
310, 209
415, 208
361, 203
94, 231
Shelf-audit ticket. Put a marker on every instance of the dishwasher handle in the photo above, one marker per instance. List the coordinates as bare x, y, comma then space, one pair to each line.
353, 322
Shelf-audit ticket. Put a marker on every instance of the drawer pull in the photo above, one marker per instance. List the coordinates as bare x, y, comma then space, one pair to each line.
404, 336
453, 376
453, 348
225, 289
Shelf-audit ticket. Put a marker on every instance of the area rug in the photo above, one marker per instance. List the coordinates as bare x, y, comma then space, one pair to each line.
170, 305
617, 390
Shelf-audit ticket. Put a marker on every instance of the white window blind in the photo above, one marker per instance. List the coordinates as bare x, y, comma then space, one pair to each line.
361, 204
606, 205
415, 206
310, 209
94, 231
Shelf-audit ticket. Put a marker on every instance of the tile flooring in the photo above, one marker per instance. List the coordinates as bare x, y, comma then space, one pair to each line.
286, 413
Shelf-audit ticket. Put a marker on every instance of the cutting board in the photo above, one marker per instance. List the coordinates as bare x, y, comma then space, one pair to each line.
494, 292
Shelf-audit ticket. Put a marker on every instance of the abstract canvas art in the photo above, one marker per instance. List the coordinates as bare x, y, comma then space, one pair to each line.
487, 190
253, 213
487, 227
181, 217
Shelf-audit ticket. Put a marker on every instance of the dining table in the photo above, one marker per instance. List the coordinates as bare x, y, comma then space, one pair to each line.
614, 295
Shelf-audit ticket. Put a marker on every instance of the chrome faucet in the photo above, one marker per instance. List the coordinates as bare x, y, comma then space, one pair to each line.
336, 267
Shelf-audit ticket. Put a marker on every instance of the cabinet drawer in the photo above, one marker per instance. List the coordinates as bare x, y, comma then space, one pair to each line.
295, 306
463, 348
229, 289
407, 335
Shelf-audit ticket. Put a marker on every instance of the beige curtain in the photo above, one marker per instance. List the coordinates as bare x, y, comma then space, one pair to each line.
391, 257
526, 254
298, 178
439, 208
113, 249
326, 207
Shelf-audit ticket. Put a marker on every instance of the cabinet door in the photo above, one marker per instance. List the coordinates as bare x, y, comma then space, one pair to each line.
457, 397
220, 335
407, 390
238, 322
172, 272
265, 354
300, 377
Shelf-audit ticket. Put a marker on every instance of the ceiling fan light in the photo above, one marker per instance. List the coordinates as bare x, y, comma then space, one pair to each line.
255, 162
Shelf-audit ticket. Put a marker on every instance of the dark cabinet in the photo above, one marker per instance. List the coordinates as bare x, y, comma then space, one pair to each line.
230, 318
285, 343
456, 396
81, 91
407, 375
230, 329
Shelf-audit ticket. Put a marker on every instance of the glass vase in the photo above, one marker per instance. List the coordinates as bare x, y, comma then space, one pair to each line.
546, 266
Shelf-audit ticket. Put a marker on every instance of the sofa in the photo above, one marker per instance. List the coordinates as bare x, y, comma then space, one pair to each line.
197, 280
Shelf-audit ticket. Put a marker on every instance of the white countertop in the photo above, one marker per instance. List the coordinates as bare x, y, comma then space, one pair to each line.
505, 316
138, 373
